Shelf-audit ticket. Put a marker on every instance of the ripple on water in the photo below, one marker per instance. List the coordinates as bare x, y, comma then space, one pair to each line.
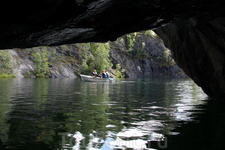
127, 114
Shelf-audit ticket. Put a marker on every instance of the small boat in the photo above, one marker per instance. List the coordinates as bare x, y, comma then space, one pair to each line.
95, 79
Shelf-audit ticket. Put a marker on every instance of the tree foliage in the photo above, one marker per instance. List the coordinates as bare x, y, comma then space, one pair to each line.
119, 71
37, 61
130, 39
7, 63
98, 58
41, 63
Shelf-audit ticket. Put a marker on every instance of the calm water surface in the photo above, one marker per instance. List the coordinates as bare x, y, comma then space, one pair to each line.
55, 114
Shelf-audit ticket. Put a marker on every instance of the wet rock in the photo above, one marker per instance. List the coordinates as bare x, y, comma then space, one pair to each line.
199, 49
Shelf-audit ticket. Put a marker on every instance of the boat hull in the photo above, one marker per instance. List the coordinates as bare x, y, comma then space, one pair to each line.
94, 79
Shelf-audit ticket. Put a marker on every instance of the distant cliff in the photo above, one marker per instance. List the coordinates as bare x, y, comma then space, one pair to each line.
143, 54
53, 62
140, 54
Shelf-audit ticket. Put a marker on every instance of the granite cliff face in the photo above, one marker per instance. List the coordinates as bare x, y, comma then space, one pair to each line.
145, 56
24, 63
196, 35
148, 57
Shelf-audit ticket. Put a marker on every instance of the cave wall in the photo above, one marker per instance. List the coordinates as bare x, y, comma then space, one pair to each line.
199, 49
57, 22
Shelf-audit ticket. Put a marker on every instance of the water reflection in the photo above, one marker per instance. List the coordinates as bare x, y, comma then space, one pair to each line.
70, 114
5, 109
154, 109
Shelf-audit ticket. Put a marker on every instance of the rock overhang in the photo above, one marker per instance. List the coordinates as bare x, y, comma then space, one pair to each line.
56, 22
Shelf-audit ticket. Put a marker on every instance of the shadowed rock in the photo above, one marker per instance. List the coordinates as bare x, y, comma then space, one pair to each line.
199, 50
55, 22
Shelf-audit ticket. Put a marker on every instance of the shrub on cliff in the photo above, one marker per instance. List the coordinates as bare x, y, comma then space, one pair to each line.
6, 64
41, 63
37, 62
130, 39
119, 71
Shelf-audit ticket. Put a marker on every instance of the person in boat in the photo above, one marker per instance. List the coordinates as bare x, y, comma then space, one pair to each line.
103, 74
94, 74
106, 74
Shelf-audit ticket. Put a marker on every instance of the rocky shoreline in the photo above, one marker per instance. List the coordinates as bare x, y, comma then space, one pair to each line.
140, 54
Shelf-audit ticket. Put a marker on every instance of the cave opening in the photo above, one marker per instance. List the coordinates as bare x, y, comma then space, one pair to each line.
141, 113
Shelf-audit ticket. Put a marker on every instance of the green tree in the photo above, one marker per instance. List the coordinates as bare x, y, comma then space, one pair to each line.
37, 62
45, 58
130, 39
119, 71
93, 48
41, 63
6, 65
98, 58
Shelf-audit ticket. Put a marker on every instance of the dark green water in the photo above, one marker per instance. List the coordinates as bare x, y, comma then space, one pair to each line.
51, 114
